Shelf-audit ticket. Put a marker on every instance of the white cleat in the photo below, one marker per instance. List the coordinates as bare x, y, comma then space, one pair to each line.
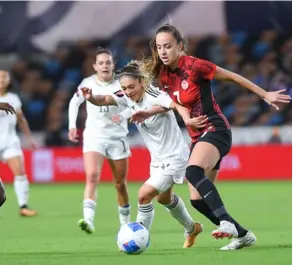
225, 229
86, 226
237, 243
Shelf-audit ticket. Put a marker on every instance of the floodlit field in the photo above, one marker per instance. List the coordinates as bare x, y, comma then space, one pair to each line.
53, 237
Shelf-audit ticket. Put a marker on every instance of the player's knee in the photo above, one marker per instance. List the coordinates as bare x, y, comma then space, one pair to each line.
120, 186
195, 175
93, 178
144, 198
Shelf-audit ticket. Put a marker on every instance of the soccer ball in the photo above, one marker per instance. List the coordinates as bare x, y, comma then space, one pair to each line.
133, 238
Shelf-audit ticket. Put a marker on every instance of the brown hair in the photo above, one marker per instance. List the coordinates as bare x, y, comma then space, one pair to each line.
101, 50
137, 70
154, 64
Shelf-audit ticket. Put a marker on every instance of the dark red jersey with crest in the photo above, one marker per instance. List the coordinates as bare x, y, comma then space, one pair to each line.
190, 85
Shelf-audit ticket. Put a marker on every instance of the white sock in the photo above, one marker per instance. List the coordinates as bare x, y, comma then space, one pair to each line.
145, 214
124, 214
21, 188
89, 207
178, 210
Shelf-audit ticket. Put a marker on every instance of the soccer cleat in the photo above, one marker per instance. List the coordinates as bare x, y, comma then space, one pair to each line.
225, 229
237, 243
86, 226
190, 239
27, 212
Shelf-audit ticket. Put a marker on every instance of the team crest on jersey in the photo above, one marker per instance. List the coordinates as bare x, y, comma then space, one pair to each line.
184, 84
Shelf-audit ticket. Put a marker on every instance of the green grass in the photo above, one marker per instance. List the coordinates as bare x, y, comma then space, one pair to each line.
53, 237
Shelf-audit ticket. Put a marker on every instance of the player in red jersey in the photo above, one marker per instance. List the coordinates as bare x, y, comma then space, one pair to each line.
187, 80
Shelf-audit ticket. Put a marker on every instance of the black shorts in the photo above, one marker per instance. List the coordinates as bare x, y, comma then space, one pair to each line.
220, 139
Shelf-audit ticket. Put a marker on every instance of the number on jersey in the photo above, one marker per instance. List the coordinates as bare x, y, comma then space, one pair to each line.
104, 108
176, 94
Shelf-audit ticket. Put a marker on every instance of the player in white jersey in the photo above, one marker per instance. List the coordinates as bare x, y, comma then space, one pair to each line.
164, 140
9, 110
10, 147
101, 139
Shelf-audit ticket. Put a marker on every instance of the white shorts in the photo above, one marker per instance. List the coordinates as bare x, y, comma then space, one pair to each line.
164, 175
112, 149
9, 152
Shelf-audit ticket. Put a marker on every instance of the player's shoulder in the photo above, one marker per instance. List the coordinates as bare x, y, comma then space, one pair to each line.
153, 91
187, 62
187, 58
12, 96
116, 82
88, 80
115, 85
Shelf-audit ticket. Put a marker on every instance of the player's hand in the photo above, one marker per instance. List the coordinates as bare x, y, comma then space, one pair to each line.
87, 93
117, 119
140, 116
276, 97
197, 122
7, 108
73, 135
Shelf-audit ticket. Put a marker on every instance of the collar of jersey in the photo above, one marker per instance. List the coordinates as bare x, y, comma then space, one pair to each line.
103, 83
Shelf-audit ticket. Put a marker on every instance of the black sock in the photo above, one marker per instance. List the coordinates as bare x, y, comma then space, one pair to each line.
3, 200
24, 206
208, 191
204, 209
241, 231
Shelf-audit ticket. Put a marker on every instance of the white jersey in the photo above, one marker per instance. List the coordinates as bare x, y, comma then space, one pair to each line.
8, 135
160, 132
98, 122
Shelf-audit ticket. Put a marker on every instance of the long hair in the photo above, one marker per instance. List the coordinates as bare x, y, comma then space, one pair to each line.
154, 64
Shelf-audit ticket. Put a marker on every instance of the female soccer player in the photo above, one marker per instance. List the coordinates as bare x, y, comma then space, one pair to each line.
9, 110
10, 147
187, 80
101, 139
163, 138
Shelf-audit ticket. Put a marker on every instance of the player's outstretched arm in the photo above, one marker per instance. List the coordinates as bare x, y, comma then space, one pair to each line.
98, 100
142, 115
270, 97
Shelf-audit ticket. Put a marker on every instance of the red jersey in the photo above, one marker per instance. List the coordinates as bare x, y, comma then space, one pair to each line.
190, 86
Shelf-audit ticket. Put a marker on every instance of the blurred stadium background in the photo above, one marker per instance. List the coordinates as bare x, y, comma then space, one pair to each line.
50, 46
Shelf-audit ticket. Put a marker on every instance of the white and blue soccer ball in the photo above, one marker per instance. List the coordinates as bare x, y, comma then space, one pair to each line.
133, 238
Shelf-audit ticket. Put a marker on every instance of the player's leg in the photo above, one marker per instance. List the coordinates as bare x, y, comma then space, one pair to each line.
204, 156
245, 238
199, 204
175, 205
119, 170
15, 161
146, 212
2, 193
93, 162
118, 152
